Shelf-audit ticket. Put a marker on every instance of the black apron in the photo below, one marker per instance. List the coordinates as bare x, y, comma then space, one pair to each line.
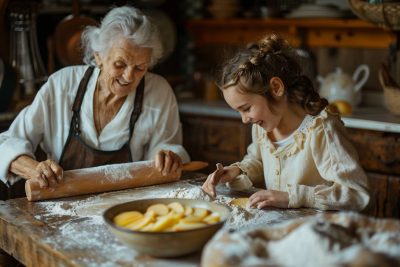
77, 154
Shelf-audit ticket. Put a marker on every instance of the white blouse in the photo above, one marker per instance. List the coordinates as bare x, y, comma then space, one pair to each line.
47, 121
318, 169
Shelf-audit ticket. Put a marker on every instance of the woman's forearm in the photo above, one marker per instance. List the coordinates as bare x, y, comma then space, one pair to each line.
24, 166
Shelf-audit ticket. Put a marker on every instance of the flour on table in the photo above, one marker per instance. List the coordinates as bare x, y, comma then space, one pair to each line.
55, 207
320, 244
341, 239
92, 238
79, 225
189, 193
94, 206
240, 217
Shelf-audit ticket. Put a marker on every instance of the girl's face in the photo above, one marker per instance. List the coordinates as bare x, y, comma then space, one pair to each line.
253, 108
123, 66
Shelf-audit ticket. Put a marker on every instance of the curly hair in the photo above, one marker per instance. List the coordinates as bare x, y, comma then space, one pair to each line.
252, 69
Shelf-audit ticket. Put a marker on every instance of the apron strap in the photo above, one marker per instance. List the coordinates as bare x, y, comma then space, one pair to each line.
76, 108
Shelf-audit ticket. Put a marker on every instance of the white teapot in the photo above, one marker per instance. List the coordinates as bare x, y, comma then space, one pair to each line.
340, 86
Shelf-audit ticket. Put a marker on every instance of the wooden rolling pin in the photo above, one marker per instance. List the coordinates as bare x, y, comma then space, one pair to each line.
106, 178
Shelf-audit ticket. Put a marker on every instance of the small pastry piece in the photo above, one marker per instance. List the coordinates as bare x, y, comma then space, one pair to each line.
242, 202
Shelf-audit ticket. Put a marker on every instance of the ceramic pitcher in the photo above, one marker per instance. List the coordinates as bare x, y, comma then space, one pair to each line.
341, 86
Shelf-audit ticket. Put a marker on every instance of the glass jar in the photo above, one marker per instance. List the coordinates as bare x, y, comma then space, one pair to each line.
24, 52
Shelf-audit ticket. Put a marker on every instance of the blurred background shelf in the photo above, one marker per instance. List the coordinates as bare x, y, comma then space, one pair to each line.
313, 32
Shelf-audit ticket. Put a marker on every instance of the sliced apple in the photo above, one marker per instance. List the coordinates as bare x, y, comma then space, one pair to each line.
176, 207
201, 212
150, 214
159, 209
141, 223
212, 218
188, 210
148, 227
192, 219
176, 216
167, 218
127, 217
164, 222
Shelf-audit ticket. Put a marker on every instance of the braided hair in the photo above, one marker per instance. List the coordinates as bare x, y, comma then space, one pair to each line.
252, 68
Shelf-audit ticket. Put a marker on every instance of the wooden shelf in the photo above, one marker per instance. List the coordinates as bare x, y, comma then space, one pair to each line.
353, 33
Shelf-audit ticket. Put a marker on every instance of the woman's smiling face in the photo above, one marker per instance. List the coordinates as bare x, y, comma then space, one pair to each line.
123, 66
253, 108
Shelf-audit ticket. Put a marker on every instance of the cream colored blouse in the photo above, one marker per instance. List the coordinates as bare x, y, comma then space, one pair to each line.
319, 168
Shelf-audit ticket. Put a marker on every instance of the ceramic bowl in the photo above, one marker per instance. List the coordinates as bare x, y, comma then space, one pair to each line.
165, 244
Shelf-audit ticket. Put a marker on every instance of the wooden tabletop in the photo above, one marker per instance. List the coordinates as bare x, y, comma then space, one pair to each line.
71, 231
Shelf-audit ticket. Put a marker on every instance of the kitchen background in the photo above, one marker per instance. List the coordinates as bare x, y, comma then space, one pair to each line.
38, 37
191, 65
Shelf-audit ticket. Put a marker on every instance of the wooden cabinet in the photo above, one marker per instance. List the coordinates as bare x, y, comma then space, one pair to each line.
385, 195
379, 154
353, 33
219, 138
215, 139
378, 151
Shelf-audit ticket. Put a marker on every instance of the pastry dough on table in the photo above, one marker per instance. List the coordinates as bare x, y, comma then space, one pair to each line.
343, 238
242, 202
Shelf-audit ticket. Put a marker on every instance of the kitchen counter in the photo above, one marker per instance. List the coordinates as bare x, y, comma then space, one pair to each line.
71, 231
368, 118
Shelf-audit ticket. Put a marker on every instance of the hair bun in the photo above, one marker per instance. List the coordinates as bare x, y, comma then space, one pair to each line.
273, 44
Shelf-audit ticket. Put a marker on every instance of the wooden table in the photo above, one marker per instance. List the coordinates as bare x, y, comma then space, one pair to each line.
71, 232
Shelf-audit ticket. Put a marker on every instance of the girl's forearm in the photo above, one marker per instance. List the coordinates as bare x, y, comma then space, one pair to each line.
233, 171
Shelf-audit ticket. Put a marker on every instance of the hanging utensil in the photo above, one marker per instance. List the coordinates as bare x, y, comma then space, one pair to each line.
67, 36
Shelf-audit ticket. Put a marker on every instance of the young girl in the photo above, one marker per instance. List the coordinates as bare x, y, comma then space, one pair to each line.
299, 148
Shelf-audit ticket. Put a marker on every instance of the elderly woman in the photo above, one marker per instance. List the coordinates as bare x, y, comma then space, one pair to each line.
111, 111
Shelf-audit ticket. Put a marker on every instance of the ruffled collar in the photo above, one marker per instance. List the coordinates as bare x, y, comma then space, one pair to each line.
299, 136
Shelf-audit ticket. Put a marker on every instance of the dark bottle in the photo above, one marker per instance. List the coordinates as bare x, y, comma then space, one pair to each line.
24, 52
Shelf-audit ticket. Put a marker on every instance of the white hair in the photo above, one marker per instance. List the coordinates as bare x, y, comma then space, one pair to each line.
126, 22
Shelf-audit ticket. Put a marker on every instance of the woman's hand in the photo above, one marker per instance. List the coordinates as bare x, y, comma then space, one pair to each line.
47, 173
168, 162
220, 175
269, 198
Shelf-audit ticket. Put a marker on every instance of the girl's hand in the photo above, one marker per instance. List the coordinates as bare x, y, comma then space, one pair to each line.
220, 175
48, 173
269, 198
167, 162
